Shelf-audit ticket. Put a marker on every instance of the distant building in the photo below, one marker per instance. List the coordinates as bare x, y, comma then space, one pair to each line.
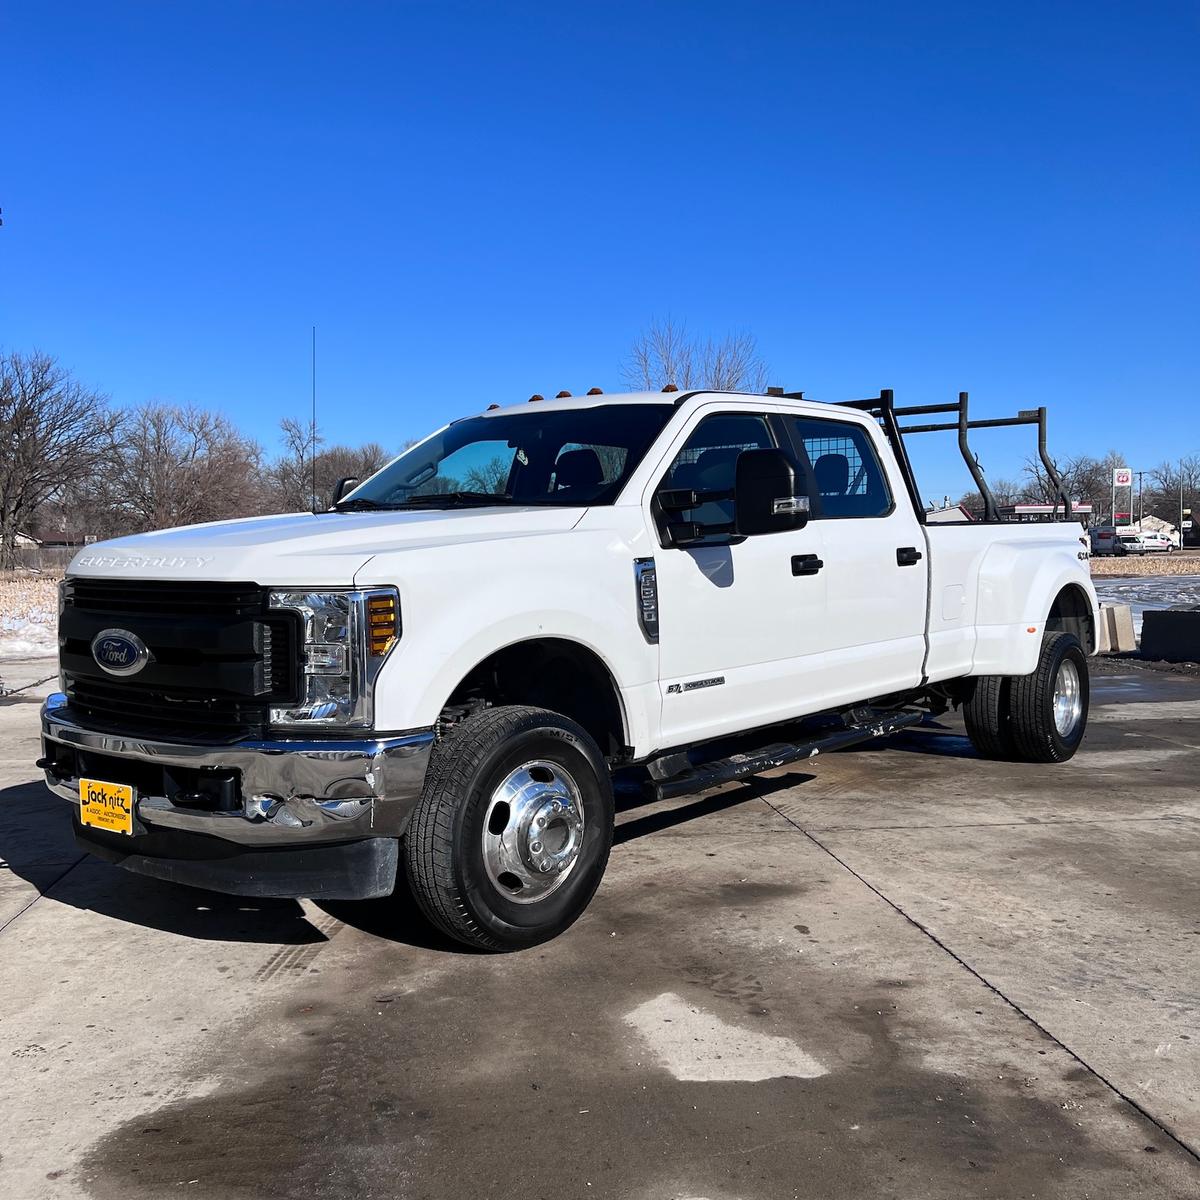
1045, 512
947, 516
1010, 512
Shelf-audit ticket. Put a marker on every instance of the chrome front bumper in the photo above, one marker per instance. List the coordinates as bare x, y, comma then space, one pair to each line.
294, 792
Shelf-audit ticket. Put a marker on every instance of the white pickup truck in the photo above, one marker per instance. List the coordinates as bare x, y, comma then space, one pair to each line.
444, 674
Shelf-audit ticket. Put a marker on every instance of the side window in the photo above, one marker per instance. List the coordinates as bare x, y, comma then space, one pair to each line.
708, 461
846, 471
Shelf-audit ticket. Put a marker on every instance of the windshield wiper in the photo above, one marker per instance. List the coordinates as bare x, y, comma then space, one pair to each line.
428, 500
360, 505
455, 499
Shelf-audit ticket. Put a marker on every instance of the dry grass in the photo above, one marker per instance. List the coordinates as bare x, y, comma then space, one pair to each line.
27, 597
1187, 563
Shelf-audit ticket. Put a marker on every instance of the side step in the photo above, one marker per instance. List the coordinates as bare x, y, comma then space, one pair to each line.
712, 774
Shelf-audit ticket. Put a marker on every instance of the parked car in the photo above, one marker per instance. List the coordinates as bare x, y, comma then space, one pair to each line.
1133, 543
1157, 542
443, 674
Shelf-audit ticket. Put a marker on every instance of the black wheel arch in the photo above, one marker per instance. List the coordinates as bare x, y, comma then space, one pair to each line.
556, 674
1072, 612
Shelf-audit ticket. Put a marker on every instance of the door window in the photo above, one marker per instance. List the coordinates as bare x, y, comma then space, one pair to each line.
708, 463
847, 475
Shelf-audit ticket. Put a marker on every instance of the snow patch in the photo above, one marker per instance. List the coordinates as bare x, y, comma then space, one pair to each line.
698, 1047
1147, 592
28, 637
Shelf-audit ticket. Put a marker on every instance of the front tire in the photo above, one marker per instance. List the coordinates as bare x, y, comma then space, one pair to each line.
1049, 707
512, 833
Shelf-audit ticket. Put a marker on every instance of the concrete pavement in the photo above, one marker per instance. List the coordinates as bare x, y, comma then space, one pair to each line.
901, 971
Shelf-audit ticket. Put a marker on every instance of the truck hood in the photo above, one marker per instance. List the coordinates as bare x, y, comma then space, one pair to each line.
306, 549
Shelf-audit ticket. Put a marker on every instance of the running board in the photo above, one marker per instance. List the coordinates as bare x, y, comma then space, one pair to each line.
707, 775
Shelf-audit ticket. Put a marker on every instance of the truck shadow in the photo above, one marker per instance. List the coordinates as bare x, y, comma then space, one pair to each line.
929, 738
694, 807
37, 846
395, 918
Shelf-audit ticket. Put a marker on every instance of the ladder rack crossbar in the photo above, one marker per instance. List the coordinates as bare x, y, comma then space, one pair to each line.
884, 409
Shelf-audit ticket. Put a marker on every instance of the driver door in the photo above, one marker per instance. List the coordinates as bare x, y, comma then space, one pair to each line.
742, 621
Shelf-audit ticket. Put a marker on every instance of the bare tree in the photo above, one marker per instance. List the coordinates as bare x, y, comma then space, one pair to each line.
666, 354
1005, 491
1173, 487
340, 462
291, 474
290, 478
54, 432
1083, 479
184, 465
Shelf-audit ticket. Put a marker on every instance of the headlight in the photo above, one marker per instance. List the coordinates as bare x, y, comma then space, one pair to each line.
347, 635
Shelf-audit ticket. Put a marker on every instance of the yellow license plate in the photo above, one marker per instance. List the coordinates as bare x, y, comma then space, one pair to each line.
107, 806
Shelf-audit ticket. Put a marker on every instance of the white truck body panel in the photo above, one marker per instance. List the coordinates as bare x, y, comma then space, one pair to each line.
473, 581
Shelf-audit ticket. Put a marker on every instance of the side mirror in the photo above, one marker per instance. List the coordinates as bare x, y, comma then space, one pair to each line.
341, 488
765, 494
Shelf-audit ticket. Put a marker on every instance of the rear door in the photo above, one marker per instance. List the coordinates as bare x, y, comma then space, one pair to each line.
874, 555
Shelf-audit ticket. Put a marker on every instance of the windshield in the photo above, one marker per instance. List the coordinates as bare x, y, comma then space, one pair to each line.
568, 457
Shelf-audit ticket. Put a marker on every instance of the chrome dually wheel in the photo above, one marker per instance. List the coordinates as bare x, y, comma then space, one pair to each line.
1068, 698
533, 831
512, 832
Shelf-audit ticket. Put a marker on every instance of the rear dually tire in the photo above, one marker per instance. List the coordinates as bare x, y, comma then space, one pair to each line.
1049, 707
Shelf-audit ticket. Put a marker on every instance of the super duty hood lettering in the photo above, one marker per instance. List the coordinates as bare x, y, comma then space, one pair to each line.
133, 562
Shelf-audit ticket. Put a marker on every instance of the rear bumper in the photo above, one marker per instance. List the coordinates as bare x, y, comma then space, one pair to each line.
231, 802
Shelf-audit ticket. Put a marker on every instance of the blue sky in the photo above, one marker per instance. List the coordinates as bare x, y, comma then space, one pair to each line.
477, 201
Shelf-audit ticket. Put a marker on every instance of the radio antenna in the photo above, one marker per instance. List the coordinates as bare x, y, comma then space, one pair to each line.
313, 427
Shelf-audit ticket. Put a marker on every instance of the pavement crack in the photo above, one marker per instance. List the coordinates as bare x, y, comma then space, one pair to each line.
42, 892
998, 824
1164, 1129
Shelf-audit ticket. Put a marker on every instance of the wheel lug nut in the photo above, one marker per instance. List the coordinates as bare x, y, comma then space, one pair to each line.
541, 821
557, 806
535, 847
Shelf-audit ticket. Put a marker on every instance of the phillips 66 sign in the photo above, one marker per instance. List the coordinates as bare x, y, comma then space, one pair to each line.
1122, 477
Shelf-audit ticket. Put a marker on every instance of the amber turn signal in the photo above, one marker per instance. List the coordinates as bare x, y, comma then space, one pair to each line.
382, 624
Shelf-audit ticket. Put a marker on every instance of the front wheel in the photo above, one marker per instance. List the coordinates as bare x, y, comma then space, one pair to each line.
1048, 709
512, 833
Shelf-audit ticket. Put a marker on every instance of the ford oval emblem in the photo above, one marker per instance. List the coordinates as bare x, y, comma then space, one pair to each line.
119, 652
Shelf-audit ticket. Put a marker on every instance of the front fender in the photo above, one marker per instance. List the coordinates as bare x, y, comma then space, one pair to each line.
461, 605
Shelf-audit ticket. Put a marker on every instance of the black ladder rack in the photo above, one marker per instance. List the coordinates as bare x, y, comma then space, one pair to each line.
883, 408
